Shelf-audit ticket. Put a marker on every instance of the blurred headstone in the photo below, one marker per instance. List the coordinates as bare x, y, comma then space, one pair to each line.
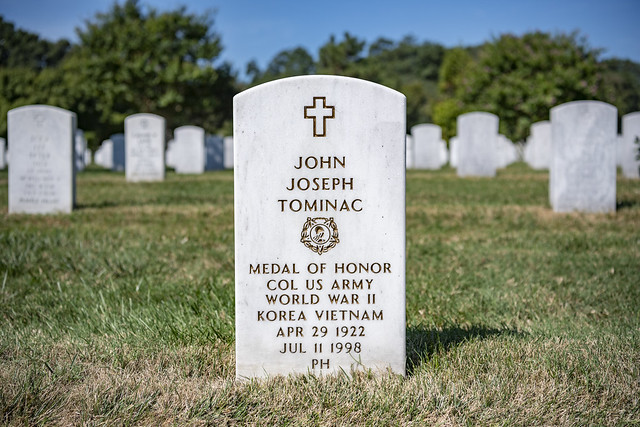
477, 141
582, 176
41, 174
144, 141
189, 150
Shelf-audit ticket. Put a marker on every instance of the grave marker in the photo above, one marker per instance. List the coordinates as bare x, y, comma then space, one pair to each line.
3, 153
630, 149
428, 146
228, 152
477, 141
81, 146
320, 227
144, 142
582, 176
41, 174
189, 155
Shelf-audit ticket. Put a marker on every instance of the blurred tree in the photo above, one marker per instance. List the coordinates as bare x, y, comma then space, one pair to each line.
287, 63
338, 58
130, 60
521, 78
620, 85
451, 86
22, 49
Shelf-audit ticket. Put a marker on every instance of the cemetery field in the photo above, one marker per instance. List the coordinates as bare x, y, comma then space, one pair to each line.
123, 311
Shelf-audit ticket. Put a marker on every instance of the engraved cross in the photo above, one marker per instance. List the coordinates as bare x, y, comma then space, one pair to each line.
322, 112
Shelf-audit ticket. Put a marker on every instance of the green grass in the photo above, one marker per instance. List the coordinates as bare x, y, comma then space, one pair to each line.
123, 312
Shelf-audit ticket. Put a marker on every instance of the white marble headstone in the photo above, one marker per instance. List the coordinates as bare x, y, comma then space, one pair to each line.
320, 227
506, 151
144, 147
41, 174
189, 150
3, 153
429, 150
427, 146
582, 176
538, 150
104, 154
81, 146
409, 151
228, 152
453, 150
477, 141
170, 154
630, 148
87, 157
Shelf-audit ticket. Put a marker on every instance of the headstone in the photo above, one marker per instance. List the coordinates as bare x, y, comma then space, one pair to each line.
506, 152
428, 146
87, 157
538, 150
119, 157
630, 156
409, 151
444, 153
104, 154
144, 142
477, 140
3, 153
190, 155
320, 227
619, 150
453, 150
214, 153
81, 145
228, 152
170, 154
582, 176
41, 174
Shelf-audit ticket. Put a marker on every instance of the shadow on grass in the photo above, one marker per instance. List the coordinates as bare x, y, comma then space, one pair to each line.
627, 204
422, 343
103, 204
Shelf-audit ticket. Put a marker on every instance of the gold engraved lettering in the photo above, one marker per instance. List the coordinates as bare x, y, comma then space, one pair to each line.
312, 162
353, 268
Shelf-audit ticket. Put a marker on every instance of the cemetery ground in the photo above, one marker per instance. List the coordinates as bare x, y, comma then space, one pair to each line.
123, 311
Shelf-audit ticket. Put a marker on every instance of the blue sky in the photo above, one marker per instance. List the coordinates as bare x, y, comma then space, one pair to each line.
260, 29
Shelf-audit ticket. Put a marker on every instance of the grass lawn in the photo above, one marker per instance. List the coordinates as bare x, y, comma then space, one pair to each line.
123, 312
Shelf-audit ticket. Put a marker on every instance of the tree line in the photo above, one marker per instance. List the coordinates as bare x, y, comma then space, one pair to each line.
134, 59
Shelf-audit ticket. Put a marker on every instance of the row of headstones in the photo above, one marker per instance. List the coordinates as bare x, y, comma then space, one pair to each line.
320, 211
47, 150
538, 151
140, 150
484, 150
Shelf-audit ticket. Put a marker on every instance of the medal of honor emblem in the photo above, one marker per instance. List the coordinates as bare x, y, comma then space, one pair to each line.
319, 234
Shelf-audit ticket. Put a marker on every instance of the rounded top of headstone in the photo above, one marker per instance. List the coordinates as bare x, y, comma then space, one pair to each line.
40, 108
477, 115
298, 82
541, 123
427, 129
188, 128
581, 107
631, 117
141, 116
